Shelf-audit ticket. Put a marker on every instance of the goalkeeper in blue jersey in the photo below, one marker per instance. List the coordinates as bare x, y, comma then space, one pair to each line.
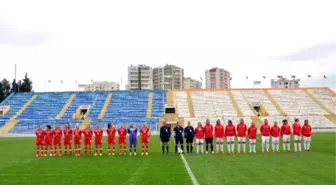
132, 135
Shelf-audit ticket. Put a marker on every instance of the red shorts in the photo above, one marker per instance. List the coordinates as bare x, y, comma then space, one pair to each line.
67, 141
145, 140
87, 141
121, 140
98, 141
39, 142
57, 141
47, 142
77, 141
111, 140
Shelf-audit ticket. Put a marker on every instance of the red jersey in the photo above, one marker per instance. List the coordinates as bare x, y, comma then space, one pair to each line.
77, 134
241, 130
230, 131
306, 130
49, 135
98, 134
297, 129
67, 134
219, 131
58, 134
122, 132
275, 131
285, 129
199, 133
88, 133
144, 132
265, 130
252, 132
111, 133
208, 131
39, 134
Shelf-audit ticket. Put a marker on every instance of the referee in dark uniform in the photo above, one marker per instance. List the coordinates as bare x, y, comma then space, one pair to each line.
189, 134
165, 136
178, 133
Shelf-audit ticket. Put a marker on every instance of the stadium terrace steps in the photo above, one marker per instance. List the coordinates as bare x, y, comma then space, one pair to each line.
149, 105
318, 102
105, 106
85, 123
235, 105
65, 107
276, 105
170, 97
8, 126
190, 105
24, 107
256, 120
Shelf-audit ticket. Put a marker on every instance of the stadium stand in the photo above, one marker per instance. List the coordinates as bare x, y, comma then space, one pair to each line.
31, 109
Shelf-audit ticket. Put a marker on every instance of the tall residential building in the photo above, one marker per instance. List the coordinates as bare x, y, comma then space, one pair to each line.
190, 83
216, 78
140, 77
99, 86
285, 83
168, 77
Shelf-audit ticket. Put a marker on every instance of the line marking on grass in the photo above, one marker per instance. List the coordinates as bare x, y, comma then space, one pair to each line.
191, 174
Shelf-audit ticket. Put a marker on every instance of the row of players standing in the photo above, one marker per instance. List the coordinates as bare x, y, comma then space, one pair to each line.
230, 132
51, 139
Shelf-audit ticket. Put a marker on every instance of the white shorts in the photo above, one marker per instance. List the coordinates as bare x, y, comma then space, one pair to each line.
286, 138
252, 141
230, 139
241, 139
219, 140
265, 139
306, 139
199, 141
297, 138
275, 140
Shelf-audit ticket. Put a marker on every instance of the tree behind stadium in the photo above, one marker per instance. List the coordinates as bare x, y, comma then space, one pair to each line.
26, 85
5, 89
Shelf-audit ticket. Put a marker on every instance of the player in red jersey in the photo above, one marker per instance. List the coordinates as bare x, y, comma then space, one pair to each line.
199, 133
87, 140
297, 135
230, 134
49, 135
40, 134
77, 140
285, 133
306, 132
145, 135
111, 132
98, 140
241, 133
57, 140
275, 133
67, 139
122, 133
265, 130
208, 135
219, 134
252, 134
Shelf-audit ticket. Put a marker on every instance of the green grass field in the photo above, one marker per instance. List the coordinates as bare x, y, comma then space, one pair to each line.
18, 165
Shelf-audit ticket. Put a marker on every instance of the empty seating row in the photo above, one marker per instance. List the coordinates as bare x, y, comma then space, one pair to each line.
315, 121
325, 97
45, 106
258, 97
224, 120
296, 102
127, 104
212, 104
182, 104
243, 105
97, 105
159, 100
16, 101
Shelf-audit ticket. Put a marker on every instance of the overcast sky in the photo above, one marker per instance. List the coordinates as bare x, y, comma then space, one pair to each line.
84, 40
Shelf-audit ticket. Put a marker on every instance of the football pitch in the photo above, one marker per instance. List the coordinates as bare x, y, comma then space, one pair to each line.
18, 165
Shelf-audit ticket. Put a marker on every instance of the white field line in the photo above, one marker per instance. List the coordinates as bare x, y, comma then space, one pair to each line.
191, 174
